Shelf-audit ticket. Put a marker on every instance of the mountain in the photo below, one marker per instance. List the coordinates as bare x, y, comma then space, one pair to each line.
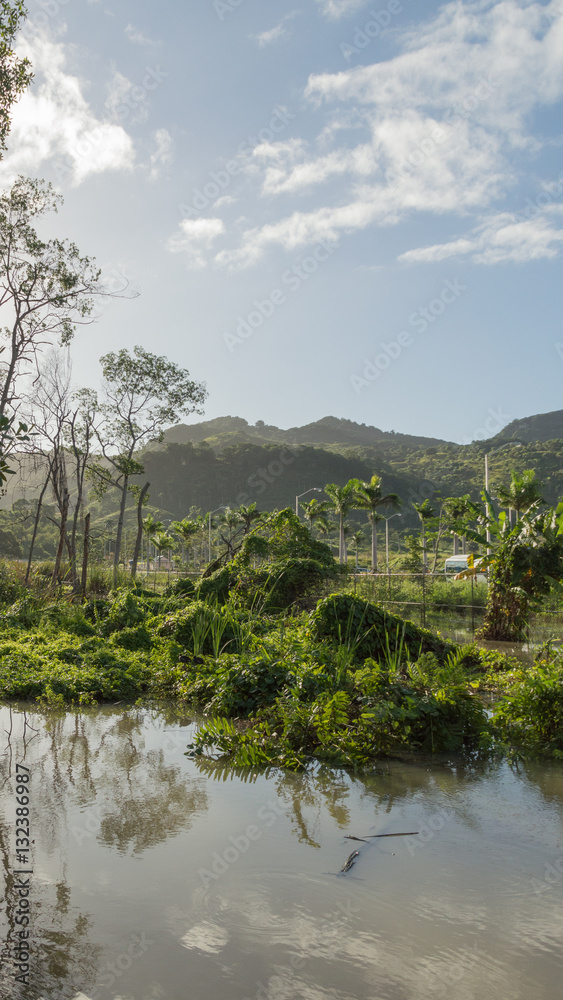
541, 427
225, 431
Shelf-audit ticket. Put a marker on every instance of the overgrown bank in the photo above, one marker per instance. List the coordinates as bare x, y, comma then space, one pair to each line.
343, 682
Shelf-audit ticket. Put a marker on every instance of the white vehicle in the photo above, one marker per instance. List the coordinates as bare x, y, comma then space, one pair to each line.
457, 564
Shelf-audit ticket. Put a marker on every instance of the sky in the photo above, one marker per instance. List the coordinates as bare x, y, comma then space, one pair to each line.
326, 207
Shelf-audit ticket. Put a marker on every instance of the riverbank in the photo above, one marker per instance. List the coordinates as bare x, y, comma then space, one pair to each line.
343, 683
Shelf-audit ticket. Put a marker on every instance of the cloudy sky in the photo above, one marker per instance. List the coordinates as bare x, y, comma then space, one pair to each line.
327, 206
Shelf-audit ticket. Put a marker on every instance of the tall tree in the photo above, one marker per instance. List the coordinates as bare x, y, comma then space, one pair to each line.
315, 513
341, 499
46, 289
143, 394
15, 73
522, 493
426, 514
370, 497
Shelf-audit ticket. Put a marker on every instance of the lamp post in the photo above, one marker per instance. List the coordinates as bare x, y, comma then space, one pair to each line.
222, 507
387, 519
314, 489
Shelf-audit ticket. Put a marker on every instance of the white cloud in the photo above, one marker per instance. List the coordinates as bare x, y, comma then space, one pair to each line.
434, 129
193, 237
162, 154
335, 9
274, 34
53, 121
499, 239
137, 37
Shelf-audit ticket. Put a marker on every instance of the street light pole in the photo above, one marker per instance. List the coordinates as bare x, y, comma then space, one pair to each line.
314, 489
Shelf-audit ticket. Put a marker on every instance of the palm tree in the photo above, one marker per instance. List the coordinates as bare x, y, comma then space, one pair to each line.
247, 515
425, 513
370, 497
151, 527
356, 538
341, 500
163, 542
523, 492
315, 511
187, 529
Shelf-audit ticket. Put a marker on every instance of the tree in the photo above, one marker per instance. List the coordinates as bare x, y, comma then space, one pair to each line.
525, 562
15, 73
46, 289
370, 497
247, 515
341, 500
426, 513
356, 538
143, 393
315, 513
187, 529
524, 491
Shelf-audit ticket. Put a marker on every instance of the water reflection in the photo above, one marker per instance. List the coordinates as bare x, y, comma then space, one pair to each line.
156, 876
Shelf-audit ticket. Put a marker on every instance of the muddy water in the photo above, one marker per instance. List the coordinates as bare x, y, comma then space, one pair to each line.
153, 877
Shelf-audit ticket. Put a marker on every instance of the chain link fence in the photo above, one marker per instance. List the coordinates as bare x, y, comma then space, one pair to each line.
454, 608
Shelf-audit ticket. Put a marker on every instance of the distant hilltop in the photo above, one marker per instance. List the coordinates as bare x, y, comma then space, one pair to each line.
224, 431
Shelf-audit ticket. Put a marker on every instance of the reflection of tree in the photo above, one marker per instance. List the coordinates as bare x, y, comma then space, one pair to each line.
61, 952
152, 814
95, 761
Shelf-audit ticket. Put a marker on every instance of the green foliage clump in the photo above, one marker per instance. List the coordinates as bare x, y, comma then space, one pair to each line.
200, 627
137, 638
530, 713
215, 588
183, 587
376, 711
11, 587
370, 631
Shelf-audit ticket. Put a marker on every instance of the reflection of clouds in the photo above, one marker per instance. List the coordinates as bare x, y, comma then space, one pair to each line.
206, 937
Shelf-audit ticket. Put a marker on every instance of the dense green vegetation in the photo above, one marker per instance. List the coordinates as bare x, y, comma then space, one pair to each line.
282, 681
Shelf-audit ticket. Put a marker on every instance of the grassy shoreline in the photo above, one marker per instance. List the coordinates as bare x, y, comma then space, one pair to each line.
344, 683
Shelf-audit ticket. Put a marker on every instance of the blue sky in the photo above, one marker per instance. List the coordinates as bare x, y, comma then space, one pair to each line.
327, 206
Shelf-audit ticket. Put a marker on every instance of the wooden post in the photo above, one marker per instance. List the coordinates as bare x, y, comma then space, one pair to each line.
85, 556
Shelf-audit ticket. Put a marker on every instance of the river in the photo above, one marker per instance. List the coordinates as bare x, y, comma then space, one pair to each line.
150, 876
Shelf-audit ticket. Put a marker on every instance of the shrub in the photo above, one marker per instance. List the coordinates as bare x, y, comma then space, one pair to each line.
530, 714
215, 588
370, 631
201, 628
184, 587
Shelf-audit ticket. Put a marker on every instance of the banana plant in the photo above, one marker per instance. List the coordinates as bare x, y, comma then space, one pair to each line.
524, 561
